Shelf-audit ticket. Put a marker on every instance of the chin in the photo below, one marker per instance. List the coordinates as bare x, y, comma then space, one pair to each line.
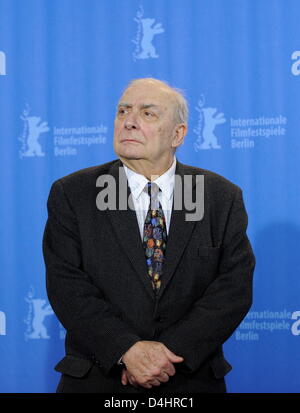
130, 156
129, 153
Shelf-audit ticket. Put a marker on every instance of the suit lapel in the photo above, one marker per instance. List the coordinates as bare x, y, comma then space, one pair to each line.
126, 229
179, 233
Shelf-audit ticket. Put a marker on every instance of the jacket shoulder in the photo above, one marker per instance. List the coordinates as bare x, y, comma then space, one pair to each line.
212, 180
86, 176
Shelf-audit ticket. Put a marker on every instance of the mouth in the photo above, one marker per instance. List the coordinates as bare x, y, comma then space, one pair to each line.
129, 140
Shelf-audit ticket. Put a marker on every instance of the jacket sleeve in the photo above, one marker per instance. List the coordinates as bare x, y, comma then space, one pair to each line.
79, 305
215, 315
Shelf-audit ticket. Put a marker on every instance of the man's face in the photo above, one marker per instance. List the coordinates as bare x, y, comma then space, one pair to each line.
144, 124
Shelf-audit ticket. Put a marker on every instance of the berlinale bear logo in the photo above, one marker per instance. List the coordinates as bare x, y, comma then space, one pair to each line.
145, 33
207, 122
38, 310
32, 129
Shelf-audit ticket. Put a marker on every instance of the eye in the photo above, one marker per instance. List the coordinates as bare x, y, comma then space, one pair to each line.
148, 114
122, 111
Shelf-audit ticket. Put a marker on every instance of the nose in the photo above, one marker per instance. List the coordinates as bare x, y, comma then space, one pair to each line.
130, 125
131, 121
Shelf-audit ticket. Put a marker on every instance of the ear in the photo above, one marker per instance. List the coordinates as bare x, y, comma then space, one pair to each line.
179, 134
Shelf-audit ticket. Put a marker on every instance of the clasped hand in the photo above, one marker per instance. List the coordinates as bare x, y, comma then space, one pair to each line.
148, 363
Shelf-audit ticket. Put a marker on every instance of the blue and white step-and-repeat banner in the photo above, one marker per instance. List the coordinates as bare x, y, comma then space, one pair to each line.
63, 65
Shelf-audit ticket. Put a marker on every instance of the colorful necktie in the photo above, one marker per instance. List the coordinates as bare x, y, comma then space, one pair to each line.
155, 236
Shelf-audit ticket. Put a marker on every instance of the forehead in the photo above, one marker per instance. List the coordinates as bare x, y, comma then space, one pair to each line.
147, 93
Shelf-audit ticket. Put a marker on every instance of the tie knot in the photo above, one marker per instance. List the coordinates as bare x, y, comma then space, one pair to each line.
152, 189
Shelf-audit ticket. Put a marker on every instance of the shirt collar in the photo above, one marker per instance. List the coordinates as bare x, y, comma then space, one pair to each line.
137, 182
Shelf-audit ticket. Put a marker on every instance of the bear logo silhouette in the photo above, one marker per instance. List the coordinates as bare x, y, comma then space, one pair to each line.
148, 50
208, 120
35, 128
40, 311
147, 29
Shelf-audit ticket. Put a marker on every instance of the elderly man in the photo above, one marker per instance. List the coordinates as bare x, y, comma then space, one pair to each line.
147, 295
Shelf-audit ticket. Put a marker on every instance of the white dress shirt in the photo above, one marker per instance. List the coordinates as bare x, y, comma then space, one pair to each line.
141, 199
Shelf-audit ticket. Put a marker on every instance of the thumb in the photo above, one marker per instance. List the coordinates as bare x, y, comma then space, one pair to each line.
173, 357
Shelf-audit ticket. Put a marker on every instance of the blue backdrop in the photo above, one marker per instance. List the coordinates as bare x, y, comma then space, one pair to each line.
63, 64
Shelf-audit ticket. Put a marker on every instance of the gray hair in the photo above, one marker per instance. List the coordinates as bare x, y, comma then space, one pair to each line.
181, 111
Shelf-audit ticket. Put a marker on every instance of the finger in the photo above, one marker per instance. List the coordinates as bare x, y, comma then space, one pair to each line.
124, 379
169, 369
163, 377
132, 381
155, 382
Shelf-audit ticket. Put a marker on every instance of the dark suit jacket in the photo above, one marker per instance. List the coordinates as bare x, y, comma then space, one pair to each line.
98, 286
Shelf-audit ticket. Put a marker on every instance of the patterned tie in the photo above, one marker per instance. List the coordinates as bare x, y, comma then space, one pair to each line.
155, 236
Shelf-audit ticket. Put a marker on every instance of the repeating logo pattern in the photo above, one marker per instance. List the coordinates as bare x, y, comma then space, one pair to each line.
244, 132
258, 324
